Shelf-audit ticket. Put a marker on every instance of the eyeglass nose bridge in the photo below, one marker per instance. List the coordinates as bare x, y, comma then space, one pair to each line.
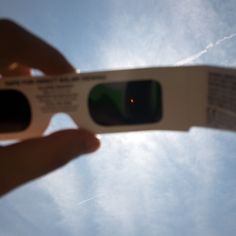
39, 123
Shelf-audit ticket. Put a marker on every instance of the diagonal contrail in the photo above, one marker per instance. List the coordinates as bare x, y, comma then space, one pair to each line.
205, 50
89, 199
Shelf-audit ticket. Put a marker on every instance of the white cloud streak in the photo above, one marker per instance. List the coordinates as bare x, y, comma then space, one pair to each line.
210, 46
89, 199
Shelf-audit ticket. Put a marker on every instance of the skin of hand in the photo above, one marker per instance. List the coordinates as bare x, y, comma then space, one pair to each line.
22, 162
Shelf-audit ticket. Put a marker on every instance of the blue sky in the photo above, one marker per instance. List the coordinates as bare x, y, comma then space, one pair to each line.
149, 183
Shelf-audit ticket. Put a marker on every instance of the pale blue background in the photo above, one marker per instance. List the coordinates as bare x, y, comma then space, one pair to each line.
152, 183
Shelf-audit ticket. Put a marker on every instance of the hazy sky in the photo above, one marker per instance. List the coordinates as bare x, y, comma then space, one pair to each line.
150, 183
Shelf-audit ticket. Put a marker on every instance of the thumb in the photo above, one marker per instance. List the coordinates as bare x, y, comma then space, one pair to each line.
63, 146
25, 161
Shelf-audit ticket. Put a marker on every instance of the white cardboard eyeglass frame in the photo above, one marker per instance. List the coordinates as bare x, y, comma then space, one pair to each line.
185, 98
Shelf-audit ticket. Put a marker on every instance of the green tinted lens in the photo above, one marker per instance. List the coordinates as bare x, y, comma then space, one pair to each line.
121, 103
15, 112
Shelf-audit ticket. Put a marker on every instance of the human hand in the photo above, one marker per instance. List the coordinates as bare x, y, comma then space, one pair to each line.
20, 51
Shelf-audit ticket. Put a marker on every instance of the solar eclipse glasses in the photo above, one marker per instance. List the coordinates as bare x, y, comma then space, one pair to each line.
167, 98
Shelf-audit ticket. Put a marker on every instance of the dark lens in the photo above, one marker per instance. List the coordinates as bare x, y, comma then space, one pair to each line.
143, 102
125, 103
15, 112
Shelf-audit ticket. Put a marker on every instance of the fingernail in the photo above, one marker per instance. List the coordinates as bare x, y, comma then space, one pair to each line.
13, 66
92, 145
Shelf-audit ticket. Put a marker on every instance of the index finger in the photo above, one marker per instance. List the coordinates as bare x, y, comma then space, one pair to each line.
21, 46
